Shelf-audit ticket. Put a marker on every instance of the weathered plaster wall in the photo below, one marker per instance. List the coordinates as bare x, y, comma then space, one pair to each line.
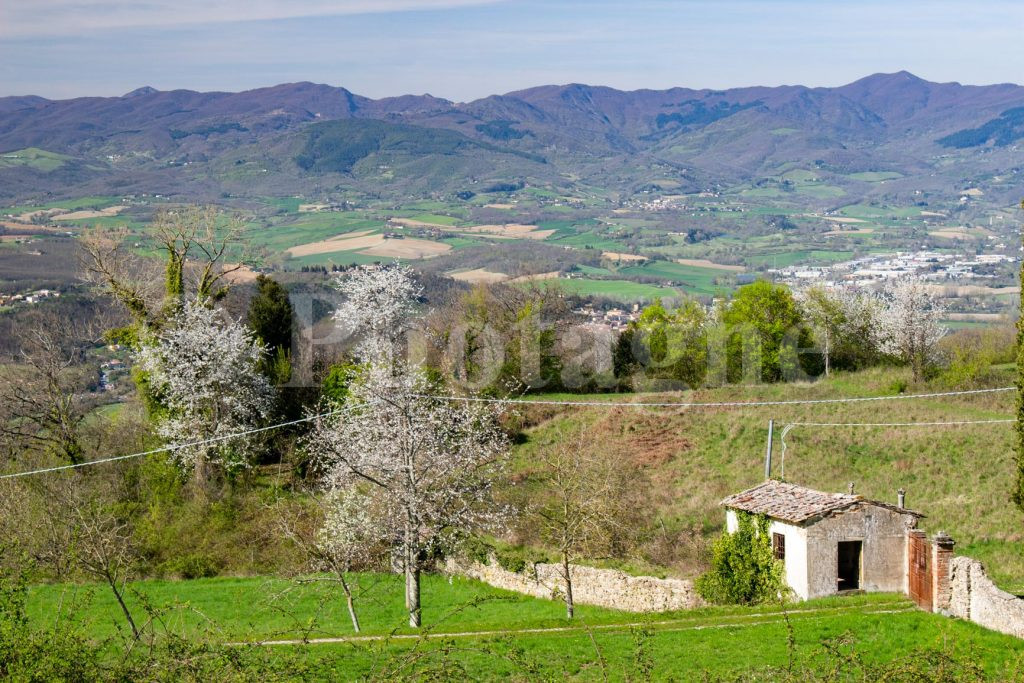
973, 596
883, 553
796, 555
591, 586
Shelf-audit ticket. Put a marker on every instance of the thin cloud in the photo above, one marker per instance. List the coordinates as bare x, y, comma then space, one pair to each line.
19, 18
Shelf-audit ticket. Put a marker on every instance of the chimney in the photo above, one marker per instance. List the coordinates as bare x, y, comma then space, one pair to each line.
901, 498
851, 488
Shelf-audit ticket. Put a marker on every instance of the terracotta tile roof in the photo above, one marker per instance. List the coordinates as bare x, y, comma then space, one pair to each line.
796, 504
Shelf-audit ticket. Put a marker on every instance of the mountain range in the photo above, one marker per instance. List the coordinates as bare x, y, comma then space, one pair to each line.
308, 138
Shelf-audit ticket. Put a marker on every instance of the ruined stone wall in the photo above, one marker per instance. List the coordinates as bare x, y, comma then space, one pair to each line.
973, 596
590, 586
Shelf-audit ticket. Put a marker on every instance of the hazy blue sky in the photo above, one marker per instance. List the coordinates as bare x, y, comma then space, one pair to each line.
463, 49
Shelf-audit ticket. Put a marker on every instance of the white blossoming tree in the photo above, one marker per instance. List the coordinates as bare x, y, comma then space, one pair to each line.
428, 462
380, 302
909, 326
844, 322
203, 371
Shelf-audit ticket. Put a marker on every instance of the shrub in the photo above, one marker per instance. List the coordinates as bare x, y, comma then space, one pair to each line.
194, 566
743, 569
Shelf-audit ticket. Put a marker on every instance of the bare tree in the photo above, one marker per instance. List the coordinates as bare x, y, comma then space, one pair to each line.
579, 501
43, 391
909, 326
102, 543
195, 242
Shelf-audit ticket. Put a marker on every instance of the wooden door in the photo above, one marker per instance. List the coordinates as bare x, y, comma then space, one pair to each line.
919, 572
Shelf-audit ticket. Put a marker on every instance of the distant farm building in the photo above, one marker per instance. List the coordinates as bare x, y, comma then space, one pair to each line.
830, 542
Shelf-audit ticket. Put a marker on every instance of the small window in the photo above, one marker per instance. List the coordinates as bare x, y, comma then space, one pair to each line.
779, 546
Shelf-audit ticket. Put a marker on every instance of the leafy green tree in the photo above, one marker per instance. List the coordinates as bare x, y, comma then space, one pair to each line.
271, 314
624, 362
672, 344
760, 319
271, 317
743, 568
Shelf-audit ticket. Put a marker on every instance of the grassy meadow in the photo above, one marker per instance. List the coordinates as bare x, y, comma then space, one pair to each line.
492, 634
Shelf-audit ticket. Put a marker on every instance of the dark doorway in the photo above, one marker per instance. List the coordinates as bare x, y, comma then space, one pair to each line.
849, 565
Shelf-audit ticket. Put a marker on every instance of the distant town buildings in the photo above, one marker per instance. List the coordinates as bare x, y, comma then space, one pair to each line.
931, 266
30, 298
615, 319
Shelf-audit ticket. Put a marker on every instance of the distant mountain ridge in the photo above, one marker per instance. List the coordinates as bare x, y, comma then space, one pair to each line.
884, 121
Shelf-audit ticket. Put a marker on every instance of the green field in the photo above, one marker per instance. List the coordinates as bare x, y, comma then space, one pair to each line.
875, 176
783, 259
494, 634
34, 158
620, 290
692, 279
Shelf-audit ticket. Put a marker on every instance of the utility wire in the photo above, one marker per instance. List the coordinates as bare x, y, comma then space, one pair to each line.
720, 404
174, 447
951, 423
725, 404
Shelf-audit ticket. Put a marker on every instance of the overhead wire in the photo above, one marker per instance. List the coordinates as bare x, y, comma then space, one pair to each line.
712, 404
175, 446
631, 404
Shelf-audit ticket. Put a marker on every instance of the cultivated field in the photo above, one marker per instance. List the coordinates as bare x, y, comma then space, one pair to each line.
372, 244
477, 275
705, 263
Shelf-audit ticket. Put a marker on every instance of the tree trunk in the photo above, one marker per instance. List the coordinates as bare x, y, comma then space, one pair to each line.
412, 592
828, 353
412, 576
124, 608
350, 603
569, 607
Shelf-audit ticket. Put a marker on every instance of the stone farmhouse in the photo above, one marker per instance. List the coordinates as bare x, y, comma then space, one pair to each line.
831, 542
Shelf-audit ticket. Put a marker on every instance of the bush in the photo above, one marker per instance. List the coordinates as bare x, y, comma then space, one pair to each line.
743, 569
194, 566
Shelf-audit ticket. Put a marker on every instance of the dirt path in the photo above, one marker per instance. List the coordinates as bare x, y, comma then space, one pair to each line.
685, 624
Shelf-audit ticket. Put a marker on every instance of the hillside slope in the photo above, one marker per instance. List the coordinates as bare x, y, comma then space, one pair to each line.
959, 477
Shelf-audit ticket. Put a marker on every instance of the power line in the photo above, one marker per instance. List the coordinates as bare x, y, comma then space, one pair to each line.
175, 447
483, 399
950, 423
717, 404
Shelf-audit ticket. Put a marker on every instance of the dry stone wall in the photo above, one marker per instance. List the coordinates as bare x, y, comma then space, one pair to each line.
590, 586
973, 596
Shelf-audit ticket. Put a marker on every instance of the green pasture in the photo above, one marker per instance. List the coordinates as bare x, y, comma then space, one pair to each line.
492, 634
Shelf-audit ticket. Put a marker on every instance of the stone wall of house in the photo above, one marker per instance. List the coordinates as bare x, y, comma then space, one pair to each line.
590, 586
973, 596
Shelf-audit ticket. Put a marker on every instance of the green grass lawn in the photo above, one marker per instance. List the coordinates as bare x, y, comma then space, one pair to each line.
495, 634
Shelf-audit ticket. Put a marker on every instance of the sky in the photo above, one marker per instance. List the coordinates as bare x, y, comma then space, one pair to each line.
466, 49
